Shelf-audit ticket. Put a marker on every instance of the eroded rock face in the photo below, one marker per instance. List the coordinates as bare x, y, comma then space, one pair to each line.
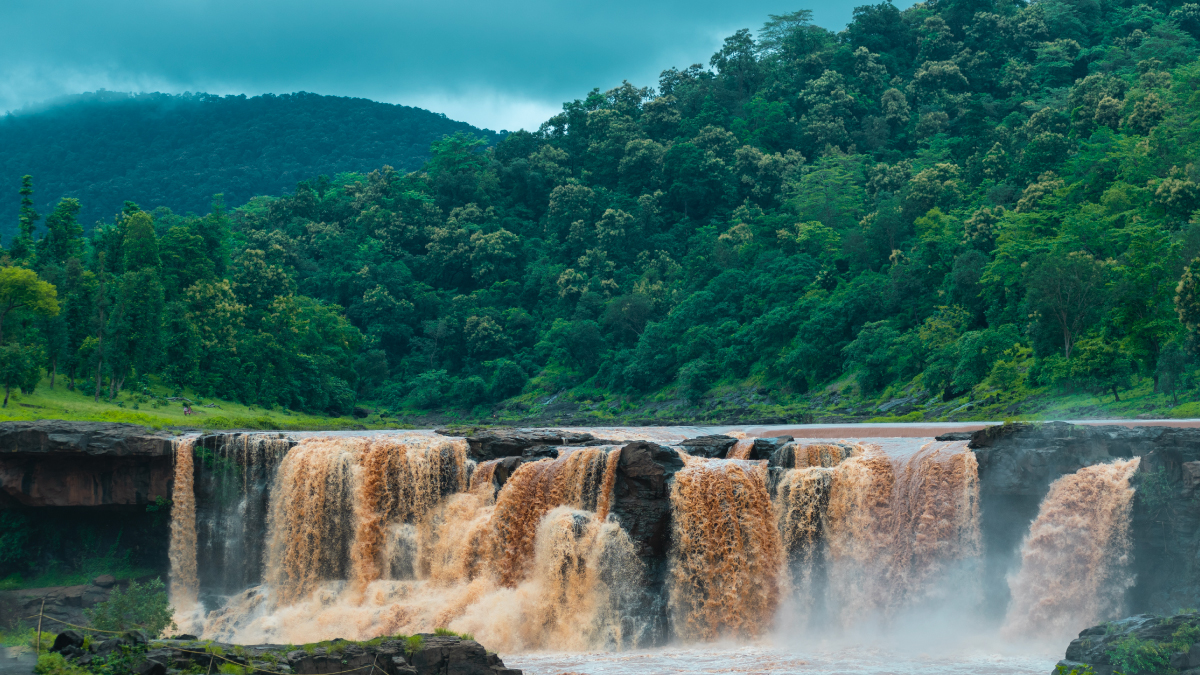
1018, 462
55, 463
42, 437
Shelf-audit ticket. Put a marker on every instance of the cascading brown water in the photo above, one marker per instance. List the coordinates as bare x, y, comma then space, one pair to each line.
580, 478
896, 524
393, 517
184, 584
1075, 560
727, 557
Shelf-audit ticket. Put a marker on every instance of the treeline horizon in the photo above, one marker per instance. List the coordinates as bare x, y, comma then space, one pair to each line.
953, 199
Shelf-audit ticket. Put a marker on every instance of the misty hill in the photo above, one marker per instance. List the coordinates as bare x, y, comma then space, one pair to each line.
179, 150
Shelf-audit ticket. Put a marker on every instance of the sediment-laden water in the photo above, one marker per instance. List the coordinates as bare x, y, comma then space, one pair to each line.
809, 567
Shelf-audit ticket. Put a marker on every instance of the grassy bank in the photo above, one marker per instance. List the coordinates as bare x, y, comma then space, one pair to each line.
153, 408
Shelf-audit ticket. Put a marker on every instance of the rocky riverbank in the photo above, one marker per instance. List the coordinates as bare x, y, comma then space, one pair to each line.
423, 654
1145, 644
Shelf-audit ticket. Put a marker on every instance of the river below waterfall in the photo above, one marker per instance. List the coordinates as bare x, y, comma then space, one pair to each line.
842, 660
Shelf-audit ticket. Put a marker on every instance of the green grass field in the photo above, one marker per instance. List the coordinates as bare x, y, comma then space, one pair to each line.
151, 409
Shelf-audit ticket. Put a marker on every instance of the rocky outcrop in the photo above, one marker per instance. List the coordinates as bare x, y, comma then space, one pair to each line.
431, 655
64, 603
55, 463
1160, 644
641, 503
489, 444
713, 446
97, 439
1018, 462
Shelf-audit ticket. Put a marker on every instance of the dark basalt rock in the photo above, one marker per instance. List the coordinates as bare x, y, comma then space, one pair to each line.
1018, 462
766, 448
1095, 645
439, 655
495, 443
714, 446
42, 437
57, 463
641, 503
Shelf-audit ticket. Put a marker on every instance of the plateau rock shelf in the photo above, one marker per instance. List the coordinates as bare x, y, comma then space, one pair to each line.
611, 539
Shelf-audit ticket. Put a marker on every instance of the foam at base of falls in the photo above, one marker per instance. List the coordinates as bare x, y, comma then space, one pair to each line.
574, 598
373, 536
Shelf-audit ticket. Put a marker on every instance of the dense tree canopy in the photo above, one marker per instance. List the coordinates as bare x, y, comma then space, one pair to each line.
934, 199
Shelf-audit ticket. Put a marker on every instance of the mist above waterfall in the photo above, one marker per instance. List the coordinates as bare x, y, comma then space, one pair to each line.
405, 533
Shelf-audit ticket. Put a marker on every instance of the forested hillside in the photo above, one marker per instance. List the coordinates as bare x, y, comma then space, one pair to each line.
987, 201
178, 151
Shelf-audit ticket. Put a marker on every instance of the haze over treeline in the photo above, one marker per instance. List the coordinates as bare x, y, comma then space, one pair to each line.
177, 151
958, 198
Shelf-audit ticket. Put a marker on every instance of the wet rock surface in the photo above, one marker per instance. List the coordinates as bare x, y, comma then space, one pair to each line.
496, 443
712, 446
641, 503
64, 603
1161, 644
41, 437
436, 655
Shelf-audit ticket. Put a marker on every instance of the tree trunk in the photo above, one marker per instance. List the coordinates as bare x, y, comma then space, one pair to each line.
112, 386
1115, 394
53, 372
5, 397
99, 378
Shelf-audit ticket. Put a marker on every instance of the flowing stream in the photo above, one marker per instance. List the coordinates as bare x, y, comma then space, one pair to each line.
864, 558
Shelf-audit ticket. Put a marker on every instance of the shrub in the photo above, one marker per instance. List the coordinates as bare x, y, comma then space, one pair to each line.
414, 644
143, 606
56, 664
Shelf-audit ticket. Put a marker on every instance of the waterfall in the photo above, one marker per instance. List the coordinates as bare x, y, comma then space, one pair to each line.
727, 558
868, 535
233, 478
1075, 560
354, 537
184, 592
403, 534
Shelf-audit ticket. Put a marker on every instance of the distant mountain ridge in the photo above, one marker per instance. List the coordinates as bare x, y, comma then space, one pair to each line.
179, 150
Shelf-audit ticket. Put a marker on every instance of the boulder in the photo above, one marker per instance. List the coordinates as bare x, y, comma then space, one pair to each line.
104, 581
488, 444
766, 448
715, 446
1093, 646
67, 638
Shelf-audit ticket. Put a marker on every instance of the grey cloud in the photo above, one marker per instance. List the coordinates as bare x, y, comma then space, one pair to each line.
495, 64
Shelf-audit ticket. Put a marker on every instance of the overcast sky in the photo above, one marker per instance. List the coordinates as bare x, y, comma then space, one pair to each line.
494, 63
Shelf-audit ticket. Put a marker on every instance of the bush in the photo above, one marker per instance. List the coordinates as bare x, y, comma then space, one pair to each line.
414, 644
696, 378
508, 379
470, 390
428, 390
143, 606
56, 664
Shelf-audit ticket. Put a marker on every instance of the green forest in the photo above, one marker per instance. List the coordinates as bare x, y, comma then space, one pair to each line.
962, 208
105, 147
